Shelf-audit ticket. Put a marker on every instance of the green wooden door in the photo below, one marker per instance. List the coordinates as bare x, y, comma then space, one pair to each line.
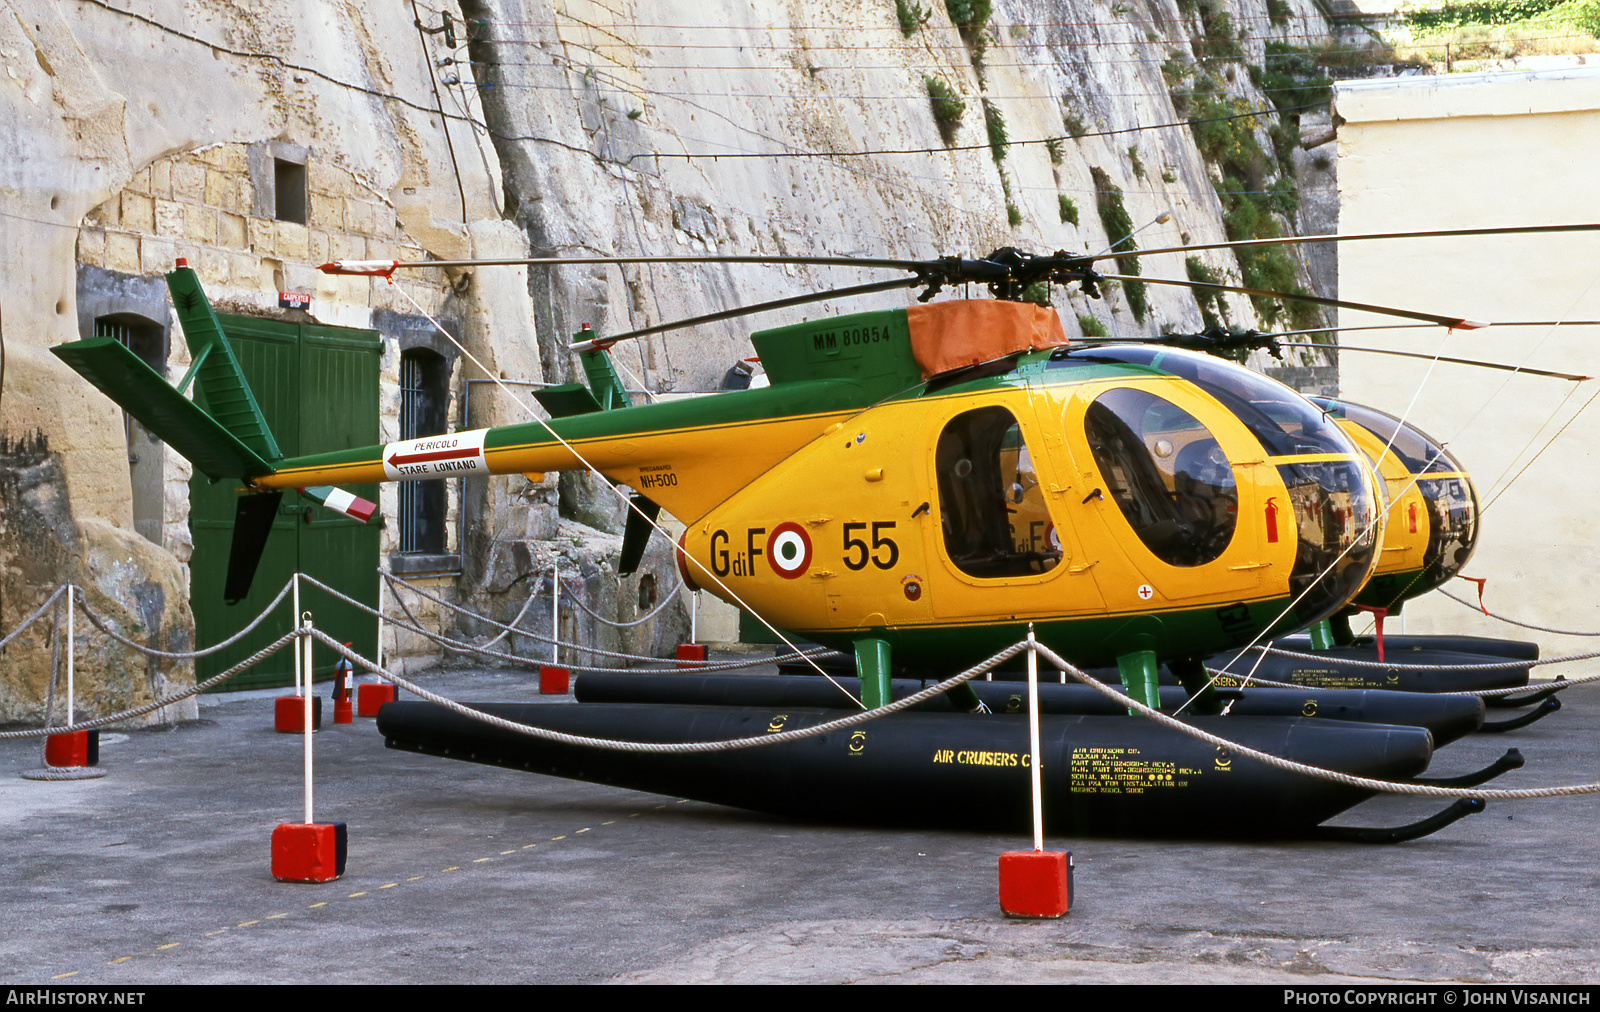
318, 389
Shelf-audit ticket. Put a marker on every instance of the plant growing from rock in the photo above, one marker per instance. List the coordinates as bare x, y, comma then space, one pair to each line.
1069, 210
1119, 232
995, 123
910, 15
947, 107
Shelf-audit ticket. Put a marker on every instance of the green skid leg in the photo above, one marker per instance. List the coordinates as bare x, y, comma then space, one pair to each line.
1140, 677
872, 665
1321, 635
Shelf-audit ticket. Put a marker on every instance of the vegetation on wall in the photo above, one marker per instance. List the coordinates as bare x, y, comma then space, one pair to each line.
1213, 310
1255, 185
995, 123
1218, 40
1119, 232
971, 18
1069, 209
947, 107
1013, 212
910, 15
1090, 326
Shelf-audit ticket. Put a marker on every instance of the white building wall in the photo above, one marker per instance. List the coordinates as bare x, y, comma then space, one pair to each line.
1480, 151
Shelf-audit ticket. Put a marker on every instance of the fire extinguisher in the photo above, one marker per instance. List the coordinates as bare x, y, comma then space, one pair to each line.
1272, 520
343, 678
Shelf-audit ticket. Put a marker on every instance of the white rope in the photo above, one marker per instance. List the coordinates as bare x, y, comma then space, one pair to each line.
85, 725
105, 626
1383, 786
666, 599
463, 647
606, 482
31, 619
1512, 621
668, 748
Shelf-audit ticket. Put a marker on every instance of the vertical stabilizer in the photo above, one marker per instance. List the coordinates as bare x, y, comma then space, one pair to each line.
220, 387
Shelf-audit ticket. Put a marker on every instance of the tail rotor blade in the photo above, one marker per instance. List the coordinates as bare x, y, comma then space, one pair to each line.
252, 525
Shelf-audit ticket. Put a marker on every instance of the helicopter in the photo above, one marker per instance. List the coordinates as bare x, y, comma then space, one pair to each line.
968, 473
916, 487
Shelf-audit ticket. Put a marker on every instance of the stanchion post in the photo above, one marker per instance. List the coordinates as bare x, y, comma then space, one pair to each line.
305, 851
382, 587
1035, 883
1033, 740
71, 592
294, 620
304, 649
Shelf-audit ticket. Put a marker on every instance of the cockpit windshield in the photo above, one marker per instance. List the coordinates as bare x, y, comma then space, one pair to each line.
1284, 422
1416, 450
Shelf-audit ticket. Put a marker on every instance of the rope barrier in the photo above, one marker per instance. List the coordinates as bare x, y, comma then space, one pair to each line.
31, 619
1397, 666
195, 690
1556, 685
459, 609
1512, 621
1422, 790
104, 626
463, 647
1383, 786
733, 744
666, 599
669, 748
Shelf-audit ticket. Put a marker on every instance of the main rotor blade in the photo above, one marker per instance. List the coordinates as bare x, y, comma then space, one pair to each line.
384, 268
729, 314
1441, 358
1453, 322
1426, 326
1359, 236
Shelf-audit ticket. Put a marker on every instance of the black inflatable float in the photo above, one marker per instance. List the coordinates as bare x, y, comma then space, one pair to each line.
1102, 775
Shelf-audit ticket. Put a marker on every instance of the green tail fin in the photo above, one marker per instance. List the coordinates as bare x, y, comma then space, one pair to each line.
220, 386
607, 387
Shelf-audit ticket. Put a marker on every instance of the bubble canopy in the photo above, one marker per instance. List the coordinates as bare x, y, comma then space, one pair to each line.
1332, 493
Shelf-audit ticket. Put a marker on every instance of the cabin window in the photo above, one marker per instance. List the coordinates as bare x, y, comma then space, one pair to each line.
991, 506
424, 389
1166, 473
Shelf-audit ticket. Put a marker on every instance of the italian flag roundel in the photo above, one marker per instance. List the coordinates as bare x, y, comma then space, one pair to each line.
789, 550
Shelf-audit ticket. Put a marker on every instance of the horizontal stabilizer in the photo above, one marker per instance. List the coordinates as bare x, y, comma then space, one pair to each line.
125, 378
567, 400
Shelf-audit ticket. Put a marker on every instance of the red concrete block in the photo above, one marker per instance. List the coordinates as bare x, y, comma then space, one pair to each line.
308, 852
691, 655
72, 748
370, 697
1035, 883
288, 714
553, 681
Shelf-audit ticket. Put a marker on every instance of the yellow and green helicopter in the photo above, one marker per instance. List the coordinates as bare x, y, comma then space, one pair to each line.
918, 485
